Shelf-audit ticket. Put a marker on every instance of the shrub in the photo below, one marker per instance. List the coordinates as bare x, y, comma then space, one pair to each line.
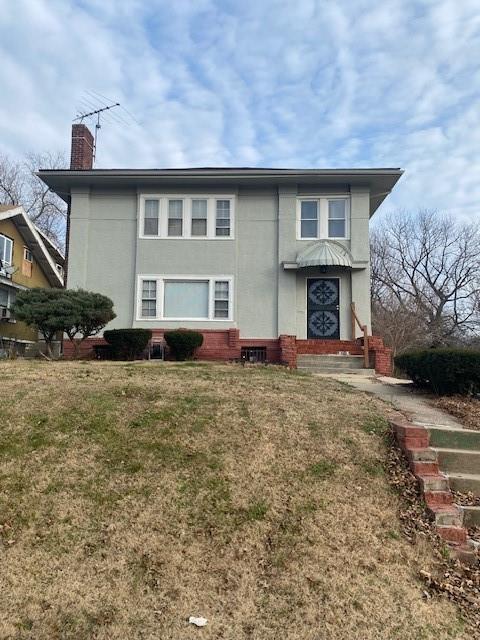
443, 371
127, 344
183, 342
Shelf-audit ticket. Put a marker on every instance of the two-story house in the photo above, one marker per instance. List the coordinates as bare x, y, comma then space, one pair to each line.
28, 259
264, 258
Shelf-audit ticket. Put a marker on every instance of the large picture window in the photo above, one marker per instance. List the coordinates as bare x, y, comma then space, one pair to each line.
185, 298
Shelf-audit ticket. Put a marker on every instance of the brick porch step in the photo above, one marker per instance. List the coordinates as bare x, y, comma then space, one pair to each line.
458, 460
465, 482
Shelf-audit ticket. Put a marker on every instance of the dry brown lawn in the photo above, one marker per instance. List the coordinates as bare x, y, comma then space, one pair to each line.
466, 409
135, 495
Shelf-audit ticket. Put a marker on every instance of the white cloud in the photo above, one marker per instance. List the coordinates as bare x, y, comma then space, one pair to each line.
311, 83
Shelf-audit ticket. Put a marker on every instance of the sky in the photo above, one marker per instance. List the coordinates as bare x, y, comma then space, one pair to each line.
275, 83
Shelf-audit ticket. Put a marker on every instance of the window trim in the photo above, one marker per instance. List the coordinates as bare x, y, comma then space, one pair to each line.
322, 208
9, 263
187, 199
25, 249
161, 278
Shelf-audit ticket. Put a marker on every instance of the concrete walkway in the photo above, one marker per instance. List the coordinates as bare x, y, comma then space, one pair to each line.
400, 395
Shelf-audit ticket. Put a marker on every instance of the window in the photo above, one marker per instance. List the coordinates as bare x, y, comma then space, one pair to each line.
180, 298
27, 254
323, 217
149, 298
3, 297
309, 219
221, 299
175, 218
7, 297
150, 222
336, 218
186, 299
222, 226
199, 217
6, 249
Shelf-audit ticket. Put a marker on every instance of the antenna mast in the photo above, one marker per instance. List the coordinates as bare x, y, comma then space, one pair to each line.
98, 126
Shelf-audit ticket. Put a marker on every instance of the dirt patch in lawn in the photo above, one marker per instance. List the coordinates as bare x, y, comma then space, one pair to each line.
133, 496
467, 410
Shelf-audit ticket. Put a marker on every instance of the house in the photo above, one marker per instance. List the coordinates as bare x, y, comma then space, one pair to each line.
265, 259
28, 259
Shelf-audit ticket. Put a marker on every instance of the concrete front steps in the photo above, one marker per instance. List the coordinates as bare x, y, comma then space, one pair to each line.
458, 455
451, 520
332, 363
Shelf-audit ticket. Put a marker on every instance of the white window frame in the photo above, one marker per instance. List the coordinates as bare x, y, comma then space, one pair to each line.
163, 199
322, 208
25, 251
7, 263
160, 280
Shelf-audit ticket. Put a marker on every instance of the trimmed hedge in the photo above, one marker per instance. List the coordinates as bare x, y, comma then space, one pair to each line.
183, 342
443, 371
127, 344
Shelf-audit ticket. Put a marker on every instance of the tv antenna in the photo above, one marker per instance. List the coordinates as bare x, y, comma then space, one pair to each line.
98, 126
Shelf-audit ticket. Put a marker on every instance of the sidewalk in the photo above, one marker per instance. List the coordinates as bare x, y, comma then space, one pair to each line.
399, 394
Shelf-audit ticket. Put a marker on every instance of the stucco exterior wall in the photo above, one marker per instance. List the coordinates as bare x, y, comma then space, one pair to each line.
107, 255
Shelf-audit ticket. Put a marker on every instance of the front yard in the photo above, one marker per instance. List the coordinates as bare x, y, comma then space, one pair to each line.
133, 496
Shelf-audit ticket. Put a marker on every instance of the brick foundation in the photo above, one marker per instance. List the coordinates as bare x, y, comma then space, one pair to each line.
226, 344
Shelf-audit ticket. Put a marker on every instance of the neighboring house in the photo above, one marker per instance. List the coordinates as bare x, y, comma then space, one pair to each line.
27, 260
265, 258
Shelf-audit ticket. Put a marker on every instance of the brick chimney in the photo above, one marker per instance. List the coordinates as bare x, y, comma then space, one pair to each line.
82, 147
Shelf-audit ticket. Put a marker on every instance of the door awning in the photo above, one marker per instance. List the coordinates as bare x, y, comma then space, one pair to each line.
324, 253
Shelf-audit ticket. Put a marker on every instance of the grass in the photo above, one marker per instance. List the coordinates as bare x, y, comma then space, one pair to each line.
135, 495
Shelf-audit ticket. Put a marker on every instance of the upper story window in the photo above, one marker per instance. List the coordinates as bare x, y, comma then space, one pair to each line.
176, 216
199, 217
222, 225
6, 250
27, 254
309, 219
324, 217
151, 218
27, 263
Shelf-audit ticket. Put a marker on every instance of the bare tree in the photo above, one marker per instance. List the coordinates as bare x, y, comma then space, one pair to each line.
426, 279
19, 185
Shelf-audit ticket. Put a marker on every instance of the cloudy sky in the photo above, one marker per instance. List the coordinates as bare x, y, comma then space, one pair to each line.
304, 83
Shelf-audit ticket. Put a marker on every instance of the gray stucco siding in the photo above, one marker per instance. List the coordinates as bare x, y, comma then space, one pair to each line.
107, 255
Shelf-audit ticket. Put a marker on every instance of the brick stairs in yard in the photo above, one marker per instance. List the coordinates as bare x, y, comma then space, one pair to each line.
444, 458
332, 363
